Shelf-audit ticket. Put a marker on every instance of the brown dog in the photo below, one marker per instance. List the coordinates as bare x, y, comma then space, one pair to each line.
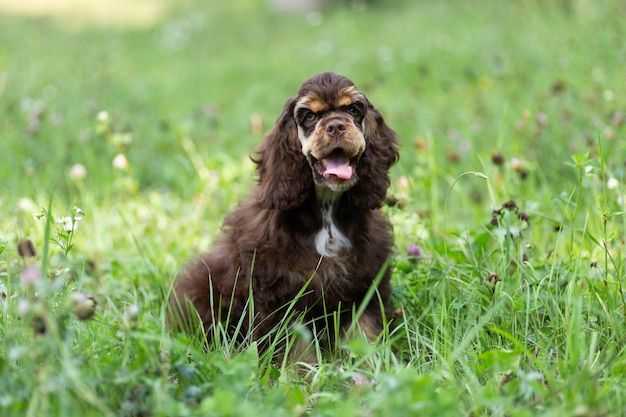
312, 221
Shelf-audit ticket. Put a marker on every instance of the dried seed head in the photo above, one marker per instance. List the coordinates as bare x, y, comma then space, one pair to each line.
84, 305
510, 205
453, 156
523, 174
39, 326
393, 201
493, 279
26, 249
524, 217
497, 159
420, 143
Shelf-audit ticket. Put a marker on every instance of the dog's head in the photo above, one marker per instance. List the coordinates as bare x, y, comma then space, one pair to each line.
330, 115
328, 136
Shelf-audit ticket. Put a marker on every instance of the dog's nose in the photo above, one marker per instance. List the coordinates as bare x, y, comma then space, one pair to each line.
336, 128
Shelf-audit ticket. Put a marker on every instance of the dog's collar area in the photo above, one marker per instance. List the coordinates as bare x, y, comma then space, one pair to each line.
329, 240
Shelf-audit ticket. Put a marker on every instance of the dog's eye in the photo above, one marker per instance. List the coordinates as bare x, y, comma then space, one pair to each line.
309, 117
354, 111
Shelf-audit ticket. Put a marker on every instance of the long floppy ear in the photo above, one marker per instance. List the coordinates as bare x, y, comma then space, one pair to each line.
380, 154
285, 179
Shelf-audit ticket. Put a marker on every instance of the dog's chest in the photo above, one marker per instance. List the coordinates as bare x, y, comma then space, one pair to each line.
330, 242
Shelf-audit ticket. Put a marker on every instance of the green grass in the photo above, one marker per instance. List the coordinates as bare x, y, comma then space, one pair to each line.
512, 310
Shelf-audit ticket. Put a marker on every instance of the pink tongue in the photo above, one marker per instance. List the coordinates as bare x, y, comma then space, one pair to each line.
339, 166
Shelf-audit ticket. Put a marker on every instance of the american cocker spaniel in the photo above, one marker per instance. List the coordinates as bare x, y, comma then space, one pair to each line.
310, 241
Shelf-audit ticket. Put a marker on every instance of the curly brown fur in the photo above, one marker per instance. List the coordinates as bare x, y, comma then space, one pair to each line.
312, 218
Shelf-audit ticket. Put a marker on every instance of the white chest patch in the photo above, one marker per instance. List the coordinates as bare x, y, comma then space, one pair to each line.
329, 241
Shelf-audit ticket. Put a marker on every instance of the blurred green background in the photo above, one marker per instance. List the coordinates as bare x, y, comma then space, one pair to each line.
144, 113
526, 79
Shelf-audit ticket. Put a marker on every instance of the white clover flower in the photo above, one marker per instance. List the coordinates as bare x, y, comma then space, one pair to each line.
30, 275
23, 307
78, 172
403, 183
360, 380
103, 116
120, 162
131, 312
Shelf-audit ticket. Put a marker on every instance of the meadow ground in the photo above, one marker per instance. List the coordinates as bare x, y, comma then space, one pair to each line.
124, 142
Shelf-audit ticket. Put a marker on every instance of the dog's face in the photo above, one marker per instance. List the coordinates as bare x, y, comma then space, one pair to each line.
328, 137
330, 115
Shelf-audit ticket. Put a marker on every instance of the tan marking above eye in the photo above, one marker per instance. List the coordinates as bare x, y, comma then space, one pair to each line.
348, 96
344, 100
316, 105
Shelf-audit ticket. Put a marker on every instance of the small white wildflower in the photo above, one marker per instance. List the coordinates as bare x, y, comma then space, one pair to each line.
120, 162
518, 164
103, 116
23, 306
26, 204
131, 312
78, 213
69, 224
612, 183
78, 172
588, 169
63, 220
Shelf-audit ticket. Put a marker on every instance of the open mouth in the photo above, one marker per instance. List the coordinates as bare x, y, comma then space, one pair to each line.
336, 165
